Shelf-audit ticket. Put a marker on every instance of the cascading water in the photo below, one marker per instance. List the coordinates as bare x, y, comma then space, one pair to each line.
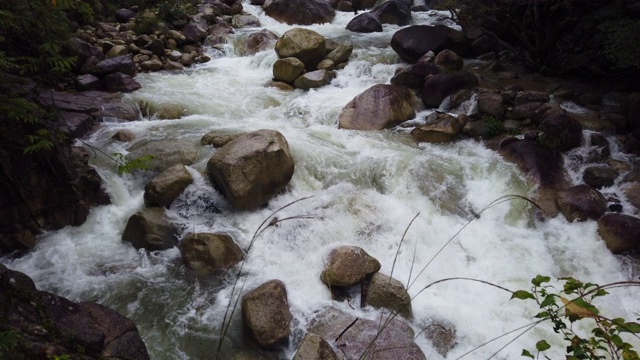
366, 188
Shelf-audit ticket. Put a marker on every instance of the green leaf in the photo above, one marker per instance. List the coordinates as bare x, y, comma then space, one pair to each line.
522, 295
630, 327
526, 353
542, 315
549, 300
585, 305
538, 280
542, 345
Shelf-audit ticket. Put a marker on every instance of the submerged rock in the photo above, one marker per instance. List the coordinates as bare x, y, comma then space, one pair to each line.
266, 316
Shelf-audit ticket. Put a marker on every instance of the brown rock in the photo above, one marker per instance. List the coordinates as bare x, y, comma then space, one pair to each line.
379, 107
218, 139
581, 203
306, 45
163, 189
600, 176
265, 315
414, 41
287, 69
620, 232
440, 128
148, 229
300, 12
388, 293
313, 347
448, 61
438, 87
348, 266
207, 253
543, 166
314, 79
123, 136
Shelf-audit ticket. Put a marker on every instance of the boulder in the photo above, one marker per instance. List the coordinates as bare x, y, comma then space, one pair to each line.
207, 253
156, 47
442, 336
440, 128
266, 316
393, 342
252, 169
396, 12
306, 45
218, 139
326, 64
348, 266
620, 232
365, 23
87, 82
118, 110
414, 76
122, 64
287, 69
152, 65
163, 189
386, 292
124, 136
124, 15
117, 50
379, 107
581, 202
631, 111
300, 12
491, 104
173, 66
119, 82
448, 61
340, 54
82, 50
240, 21
600, 176
260, 41
314, 347
414, 41
525, 97
196, 29
545, 167
164, 153
43, 323
561, 129
314, 79
74, 125
149, 229
437, 87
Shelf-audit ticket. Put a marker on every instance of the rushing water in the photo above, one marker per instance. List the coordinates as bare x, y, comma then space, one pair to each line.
366, 187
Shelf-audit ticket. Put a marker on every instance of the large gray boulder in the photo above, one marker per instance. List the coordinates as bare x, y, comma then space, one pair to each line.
386, 292
396, 12
300, 12
150, 230
306, 45
581, 202
379, 107
196, 30
163, 189
348, 266
164, 153
122, 64
207, 253
365, 23
414, 41
620, 232
266, 316
251, 169
314, 347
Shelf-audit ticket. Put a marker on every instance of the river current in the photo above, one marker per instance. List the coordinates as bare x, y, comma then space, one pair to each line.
365, 187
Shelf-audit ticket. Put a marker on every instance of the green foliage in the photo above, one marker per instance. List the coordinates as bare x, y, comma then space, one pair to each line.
553, 143
129, 166
622, 42
603, 341
147, 25
8, 342
493, 124
171, 11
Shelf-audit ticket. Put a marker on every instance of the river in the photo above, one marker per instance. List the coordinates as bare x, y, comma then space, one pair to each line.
365, 187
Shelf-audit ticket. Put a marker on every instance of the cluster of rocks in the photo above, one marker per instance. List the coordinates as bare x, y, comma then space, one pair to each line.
248, 170
40, 325
267, 318
528, 127
307, 60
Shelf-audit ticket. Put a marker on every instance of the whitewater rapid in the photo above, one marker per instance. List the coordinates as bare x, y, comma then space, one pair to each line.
365, 187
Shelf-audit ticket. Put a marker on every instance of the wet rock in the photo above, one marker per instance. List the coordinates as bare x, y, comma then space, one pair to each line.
561, 129
313, 347
348, 266
581, 202
165, 153
163, 189
123, 136
340, 54
491, 104
218, 139
260, 41
280, 85
365, 23
306, 45
87, 82
75, 125
440, 128
266, 316
525, 97
379, 107
620, 232
525, 111
196, 29
122, 64
632, 192
119, 82
118, 110
240, 21
414, 75
600, 176
156, 47
478, 129
388, 293
124, 15
448, 61
173, 66
207, 253
252, 169
44, 323
152, 65
442, 336
300, 12
117, 50
326, 64
397, 12
149, 229
545, 167
287, 69
314, 79
394, 342
436, 88
414, 41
